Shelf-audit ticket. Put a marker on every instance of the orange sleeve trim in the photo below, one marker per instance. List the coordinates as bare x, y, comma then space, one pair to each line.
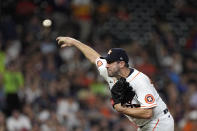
156, 125
134, 76
150, 105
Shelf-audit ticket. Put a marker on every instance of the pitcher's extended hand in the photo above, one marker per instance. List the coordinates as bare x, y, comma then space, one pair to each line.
66, 41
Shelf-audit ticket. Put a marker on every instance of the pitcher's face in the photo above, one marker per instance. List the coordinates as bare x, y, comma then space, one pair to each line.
113, 69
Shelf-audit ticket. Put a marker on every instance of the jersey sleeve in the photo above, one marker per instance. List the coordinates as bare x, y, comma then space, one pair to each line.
145, 95
101, 66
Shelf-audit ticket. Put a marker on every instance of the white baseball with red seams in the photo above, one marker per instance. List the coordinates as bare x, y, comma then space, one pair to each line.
146, 96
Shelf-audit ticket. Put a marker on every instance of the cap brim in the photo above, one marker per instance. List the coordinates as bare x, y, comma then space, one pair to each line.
107, 58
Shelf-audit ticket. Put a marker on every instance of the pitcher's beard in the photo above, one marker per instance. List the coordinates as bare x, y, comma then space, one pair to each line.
112, 74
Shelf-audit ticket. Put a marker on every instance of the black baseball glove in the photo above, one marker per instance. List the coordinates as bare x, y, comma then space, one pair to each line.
122, 92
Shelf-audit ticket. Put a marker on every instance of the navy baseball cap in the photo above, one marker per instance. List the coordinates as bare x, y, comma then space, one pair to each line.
116, 54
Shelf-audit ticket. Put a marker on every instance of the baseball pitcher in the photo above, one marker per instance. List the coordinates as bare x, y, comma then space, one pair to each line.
132, 92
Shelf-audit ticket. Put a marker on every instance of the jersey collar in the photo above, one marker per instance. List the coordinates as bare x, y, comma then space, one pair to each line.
131, 71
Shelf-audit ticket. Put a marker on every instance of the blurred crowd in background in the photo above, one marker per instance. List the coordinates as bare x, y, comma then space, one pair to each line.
43, 87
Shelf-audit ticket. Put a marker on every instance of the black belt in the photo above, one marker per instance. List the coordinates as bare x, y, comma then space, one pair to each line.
164, 111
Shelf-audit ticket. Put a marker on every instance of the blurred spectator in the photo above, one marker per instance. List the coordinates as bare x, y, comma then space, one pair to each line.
33, 92
13, 80
44, 115
98, 88
186, 8
122, 13
2, 60
172, 95
191, 121
81, 10
28, 111
192, 86
190, 65
8, 28
2, 122
102, 13
191, 42
145, 64
51, 124
18, 121
25, 7
2, 94
49, 72
13, 50
66, 111
36, 127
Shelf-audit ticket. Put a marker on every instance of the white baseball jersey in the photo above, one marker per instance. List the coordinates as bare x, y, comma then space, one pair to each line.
146, 94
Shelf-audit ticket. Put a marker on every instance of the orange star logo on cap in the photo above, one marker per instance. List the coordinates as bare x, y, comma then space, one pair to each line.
109, 52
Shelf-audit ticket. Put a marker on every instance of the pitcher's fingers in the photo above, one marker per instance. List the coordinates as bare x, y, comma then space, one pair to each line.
64, 45
60, 42
58, 38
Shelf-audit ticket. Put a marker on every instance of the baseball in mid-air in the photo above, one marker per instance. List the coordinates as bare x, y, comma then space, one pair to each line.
47, 23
